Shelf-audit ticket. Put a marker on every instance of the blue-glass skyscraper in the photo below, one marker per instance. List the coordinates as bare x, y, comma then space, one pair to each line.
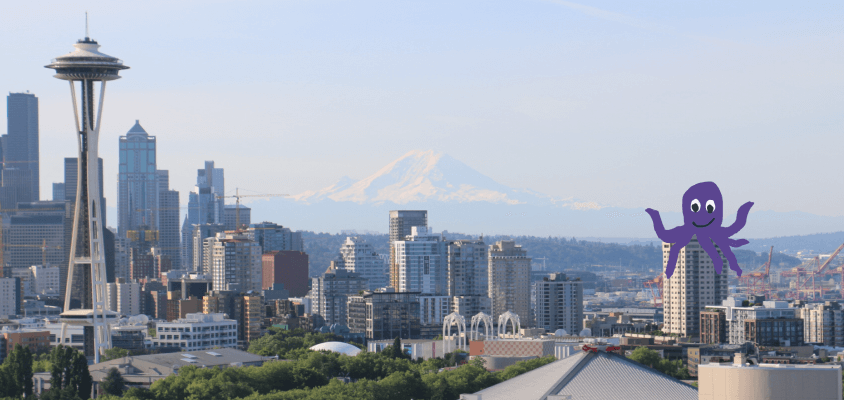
138, 188
204, 206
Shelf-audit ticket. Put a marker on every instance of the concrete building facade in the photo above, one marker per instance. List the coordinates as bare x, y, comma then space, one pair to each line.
401, 223
420, 262
330, 293
692, 287
823, 323
559, 304
197, 332
509, 279
235, 263
357, 255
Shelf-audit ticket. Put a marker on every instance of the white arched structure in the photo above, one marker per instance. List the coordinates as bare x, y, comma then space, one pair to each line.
476, 324
514, 320
460, 341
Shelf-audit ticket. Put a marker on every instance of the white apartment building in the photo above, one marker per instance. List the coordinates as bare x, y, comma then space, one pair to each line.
358, 256
235, 263
693, 286
559, 304
10, 297
124, 298
823, 323
509, 280
420, 262
735, 315
197, 331
45, 280
433, 309
330, 293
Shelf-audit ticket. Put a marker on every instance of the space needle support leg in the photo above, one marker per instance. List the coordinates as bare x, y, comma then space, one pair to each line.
102, 336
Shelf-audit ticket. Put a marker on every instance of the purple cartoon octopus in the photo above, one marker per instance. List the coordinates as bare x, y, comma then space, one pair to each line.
703, 213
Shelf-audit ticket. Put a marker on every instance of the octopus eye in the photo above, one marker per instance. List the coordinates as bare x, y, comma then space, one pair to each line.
710, 206
695, 205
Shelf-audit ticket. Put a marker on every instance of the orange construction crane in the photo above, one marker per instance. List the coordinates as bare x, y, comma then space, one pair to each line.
237, 196
822, 271
655, 287
758, 282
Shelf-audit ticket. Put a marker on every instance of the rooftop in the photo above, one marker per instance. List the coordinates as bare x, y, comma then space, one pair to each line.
587, 376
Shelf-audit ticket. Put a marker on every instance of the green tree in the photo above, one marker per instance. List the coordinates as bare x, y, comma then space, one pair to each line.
115, 353
69, 371
18, 370
397, 348
646, 356
114, 383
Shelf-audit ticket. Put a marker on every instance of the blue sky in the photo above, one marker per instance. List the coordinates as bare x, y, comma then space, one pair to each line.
622, 103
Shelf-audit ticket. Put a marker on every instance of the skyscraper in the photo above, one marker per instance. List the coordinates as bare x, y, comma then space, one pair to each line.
168, 217
137, 184
509, 279
203, 207
289, 268
274, 237
235, 263
420, 262
693, 286
467, 267
235, 212
20, 145
401, 221
58, 191
330, 293
357, 255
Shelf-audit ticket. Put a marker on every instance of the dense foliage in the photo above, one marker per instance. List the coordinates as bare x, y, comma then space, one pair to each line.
289, 344
388, 375
651, 358
16, 373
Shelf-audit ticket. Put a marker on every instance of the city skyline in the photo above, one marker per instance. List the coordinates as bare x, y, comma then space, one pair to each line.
466, 89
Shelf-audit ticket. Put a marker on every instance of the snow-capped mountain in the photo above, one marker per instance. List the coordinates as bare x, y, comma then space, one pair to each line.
422, 176
459, 198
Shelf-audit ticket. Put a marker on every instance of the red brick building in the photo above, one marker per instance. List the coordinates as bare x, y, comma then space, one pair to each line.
289, 268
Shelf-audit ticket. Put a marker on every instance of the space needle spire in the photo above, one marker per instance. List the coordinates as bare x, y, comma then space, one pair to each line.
85, 302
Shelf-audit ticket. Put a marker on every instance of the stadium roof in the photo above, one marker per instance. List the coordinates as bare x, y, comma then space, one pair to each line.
589, 376
337, 347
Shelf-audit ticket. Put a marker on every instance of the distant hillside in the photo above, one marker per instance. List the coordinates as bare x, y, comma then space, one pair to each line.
818, 243
561, 253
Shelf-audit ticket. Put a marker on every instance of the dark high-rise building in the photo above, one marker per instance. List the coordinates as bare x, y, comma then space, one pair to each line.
58, 191
20, 145
168, 217
289, 268
16, 187
401, 222
235, 212
385, 315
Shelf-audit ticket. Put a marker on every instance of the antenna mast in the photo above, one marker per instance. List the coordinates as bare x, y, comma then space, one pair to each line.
86, 26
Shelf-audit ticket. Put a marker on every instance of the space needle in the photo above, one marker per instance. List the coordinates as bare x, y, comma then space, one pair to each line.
86, 276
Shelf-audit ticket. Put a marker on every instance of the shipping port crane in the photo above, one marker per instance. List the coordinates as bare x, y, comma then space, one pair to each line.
237, 196
758, 282
655, 288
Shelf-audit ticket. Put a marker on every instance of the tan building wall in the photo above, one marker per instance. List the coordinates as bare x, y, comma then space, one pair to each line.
509, 280
693, 286
769, 382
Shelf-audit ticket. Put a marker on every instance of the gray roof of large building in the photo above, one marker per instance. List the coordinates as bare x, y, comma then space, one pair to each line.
590, 376
162, 365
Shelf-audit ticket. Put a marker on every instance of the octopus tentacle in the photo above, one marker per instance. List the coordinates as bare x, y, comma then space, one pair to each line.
668, 236
671, 264
737, 242
741, 219
731, 258
706, 244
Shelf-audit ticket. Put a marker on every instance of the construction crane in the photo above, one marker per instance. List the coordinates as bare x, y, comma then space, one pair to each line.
43, 246
822, 271
655, 288
237, 196
758, 282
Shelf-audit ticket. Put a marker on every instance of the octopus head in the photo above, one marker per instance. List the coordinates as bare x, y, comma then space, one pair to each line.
703, 206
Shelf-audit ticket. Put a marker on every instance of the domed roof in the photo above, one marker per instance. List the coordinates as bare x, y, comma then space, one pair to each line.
337, 347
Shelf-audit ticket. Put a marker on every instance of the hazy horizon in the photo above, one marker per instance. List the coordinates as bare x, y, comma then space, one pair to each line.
609, 102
